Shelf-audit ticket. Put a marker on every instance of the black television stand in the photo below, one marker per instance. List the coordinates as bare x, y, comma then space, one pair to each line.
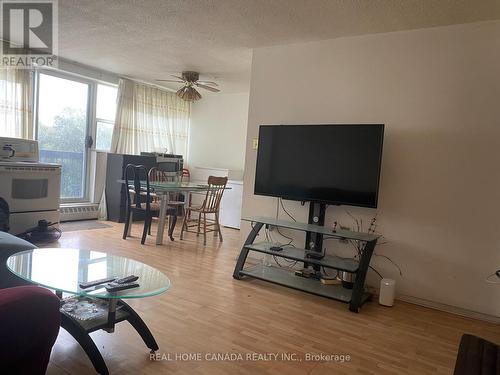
355, 297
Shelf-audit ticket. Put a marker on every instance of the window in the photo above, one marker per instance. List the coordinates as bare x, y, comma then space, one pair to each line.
71, 111
62, 130
105, 116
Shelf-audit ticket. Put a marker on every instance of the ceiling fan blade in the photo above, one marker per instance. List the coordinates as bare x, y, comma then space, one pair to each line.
182, 79
210, 83
209, 88
169, 80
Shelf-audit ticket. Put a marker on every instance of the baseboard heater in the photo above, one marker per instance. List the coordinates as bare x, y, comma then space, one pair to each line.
79, 211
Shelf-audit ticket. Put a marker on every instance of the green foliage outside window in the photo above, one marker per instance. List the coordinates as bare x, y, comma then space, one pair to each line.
64, 143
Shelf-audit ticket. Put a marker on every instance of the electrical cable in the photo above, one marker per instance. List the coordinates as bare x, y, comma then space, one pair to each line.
290, 262
378, 273
326, 273
288, 238
277, 216
276, 260
390, 260
284, 209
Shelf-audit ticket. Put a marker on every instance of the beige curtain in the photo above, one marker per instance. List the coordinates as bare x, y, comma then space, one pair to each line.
15, 110
149, 119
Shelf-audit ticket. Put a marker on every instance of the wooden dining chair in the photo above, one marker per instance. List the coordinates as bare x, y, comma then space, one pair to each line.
140, 200
176, 199
210, 205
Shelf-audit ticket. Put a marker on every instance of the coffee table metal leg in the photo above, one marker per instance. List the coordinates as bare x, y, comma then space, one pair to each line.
142, 329
111, 315
83, 338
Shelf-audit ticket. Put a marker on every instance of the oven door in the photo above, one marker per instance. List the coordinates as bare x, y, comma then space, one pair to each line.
30, 188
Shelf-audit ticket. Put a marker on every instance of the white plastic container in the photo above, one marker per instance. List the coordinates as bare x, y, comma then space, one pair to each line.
387, 292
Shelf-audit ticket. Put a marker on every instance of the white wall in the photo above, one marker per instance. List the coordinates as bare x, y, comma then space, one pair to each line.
218, 131
438, 92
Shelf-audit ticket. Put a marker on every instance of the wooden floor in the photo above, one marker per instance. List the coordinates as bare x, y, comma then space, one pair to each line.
207, 311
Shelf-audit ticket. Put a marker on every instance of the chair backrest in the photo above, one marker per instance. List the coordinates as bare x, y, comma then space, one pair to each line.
134, 173
216, 186
186, 176
156, 175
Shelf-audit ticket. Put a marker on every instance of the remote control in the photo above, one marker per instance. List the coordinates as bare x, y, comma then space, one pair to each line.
88, 284
127, 279
114, 287
276, 248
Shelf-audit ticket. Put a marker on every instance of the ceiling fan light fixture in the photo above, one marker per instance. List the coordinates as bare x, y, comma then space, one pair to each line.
188, 93
191, 82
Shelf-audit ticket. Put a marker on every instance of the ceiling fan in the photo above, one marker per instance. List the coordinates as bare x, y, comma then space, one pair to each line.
190, 81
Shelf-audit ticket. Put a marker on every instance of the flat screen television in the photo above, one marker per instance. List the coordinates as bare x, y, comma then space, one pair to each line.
332, 164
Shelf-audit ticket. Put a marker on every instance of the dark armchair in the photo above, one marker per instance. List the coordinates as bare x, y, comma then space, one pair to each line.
29, 317
29, 325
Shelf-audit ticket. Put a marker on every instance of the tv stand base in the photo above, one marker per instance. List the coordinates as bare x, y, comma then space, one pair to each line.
355, 297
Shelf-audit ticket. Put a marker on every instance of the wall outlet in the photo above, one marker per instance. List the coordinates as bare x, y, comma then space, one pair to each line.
255, 143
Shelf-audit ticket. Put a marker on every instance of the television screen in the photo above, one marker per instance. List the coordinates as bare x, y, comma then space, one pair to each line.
335, 164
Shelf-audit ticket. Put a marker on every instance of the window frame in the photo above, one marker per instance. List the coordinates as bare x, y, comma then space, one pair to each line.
91, 128
99, 119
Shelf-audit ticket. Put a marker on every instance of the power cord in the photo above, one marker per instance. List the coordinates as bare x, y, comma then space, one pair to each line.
378, 273
291, 263
326, 273
290, 239
284, 209
390, 260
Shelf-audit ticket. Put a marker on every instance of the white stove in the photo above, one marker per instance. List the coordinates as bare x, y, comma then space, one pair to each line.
31, 189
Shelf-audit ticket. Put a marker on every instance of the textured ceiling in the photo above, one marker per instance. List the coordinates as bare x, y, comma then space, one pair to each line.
151, 39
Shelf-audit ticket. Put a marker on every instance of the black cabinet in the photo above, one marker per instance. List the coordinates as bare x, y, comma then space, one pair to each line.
116, 193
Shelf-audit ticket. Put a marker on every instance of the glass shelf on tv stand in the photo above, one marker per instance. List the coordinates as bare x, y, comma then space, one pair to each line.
339, 233
294, 253
286, 278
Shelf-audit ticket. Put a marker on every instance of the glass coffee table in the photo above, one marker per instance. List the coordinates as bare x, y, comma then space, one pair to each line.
92, 309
